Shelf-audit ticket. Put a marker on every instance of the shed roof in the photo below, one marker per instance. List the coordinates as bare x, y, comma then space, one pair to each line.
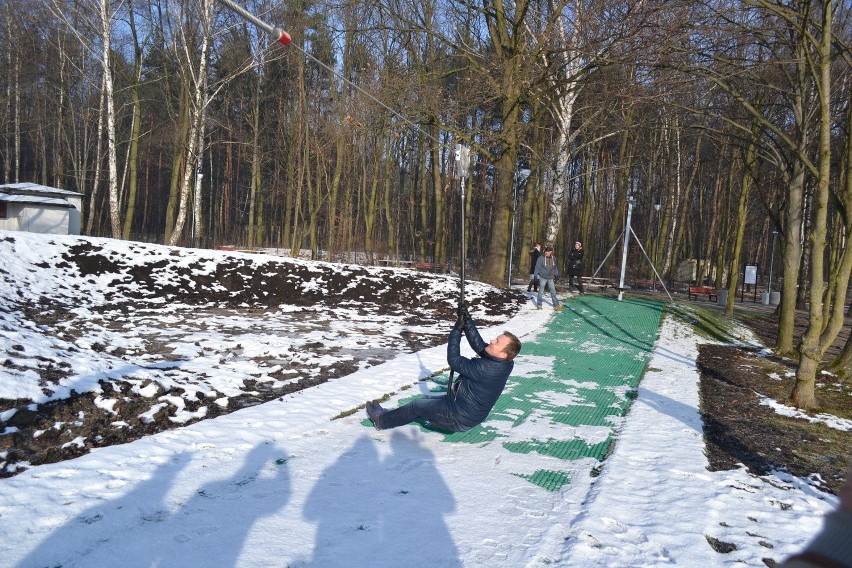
28, 188
34, 199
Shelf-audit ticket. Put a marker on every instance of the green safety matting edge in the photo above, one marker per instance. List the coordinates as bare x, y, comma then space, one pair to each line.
579, 373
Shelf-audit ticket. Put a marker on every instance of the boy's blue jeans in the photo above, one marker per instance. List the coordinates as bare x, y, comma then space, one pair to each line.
541, 284
434, 409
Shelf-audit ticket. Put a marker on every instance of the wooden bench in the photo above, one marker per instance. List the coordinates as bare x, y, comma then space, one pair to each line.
430, 267
389, 262
599, 283
702, 291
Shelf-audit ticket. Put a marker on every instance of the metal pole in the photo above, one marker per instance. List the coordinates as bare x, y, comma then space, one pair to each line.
462, 164
656, 244
624, 252
654, 268
463, 240
772, 260
521, 176
512, 237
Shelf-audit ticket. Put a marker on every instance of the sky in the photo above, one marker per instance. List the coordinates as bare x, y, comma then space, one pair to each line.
304, 480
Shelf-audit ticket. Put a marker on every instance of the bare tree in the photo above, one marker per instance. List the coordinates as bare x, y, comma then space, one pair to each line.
195, 69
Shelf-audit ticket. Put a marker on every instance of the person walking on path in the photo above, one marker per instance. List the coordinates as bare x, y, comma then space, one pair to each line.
575, 267
479, 384
547, 273
534, 254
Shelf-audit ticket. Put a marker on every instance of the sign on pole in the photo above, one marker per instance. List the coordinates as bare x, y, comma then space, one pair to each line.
749, 279
462, 160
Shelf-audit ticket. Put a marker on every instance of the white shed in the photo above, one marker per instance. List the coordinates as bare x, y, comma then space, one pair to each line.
39, 209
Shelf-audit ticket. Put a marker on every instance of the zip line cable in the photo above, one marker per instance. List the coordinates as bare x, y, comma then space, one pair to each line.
462, 154
284, 38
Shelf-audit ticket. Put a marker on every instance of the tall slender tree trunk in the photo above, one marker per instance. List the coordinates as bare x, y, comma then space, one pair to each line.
742, 211
843, 363
390, 222
793, 224
178, 164
497, 248
112, 161
96, 182
16, 76
812, 348
254, 230
440, 212
135, 130
11, 89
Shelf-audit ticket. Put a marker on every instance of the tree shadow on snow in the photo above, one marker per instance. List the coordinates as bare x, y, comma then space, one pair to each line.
376, 511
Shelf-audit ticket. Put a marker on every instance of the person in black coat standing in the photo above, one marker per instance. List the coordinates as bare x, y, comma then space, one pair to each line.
534, 254
575, 267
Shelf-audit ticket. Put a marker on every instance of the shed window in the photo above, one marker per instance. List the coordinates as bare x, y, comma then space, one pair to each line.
2, 209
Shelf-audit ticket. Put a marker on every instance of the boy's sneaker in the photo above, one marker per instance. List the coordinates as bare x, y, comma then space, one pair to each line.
558, 308
375, 411
539, 308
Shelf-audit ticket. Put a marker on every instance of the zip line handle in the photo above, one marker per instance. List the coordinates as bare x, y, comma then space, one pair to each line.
278, 34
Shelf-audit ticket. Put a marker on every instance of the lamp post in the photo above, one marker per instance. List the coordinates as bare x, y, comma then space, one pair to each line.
657, 206
462, 155
520, 176
772, 260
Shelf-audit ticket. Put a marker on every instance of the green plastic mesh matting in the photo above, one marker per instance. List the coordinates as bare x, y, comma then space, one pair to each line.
574, 381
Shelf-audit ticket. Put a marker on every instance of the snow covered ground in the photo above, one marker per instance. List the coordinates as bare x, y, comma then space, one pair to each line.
301, 481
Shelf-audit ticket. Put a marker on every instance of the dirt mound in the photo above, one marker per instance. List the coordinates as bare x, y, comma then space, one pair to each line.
124, 340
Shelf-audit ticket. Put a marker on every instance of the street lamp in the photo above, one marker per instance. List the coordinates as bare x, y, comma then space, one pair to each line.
772, 260
657, 206
520, 176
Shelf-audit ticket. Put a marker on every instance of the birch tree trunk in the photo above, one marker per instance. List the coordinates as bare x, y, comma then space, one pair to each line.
112, 161
197, 215
563, 113
196, 108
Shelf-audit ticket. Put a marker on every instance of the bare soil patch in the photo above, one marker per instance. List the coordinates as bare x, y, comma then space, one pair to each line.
740, 428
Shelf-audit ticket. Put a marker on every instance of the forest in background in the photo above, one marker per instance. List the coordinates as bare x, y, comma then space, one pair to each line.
725, 124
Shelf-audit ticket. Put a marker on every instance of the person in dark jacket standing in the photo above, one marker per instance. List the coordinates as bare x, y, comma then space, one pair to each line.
534, 254
547, 273
479, 383
575, 267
